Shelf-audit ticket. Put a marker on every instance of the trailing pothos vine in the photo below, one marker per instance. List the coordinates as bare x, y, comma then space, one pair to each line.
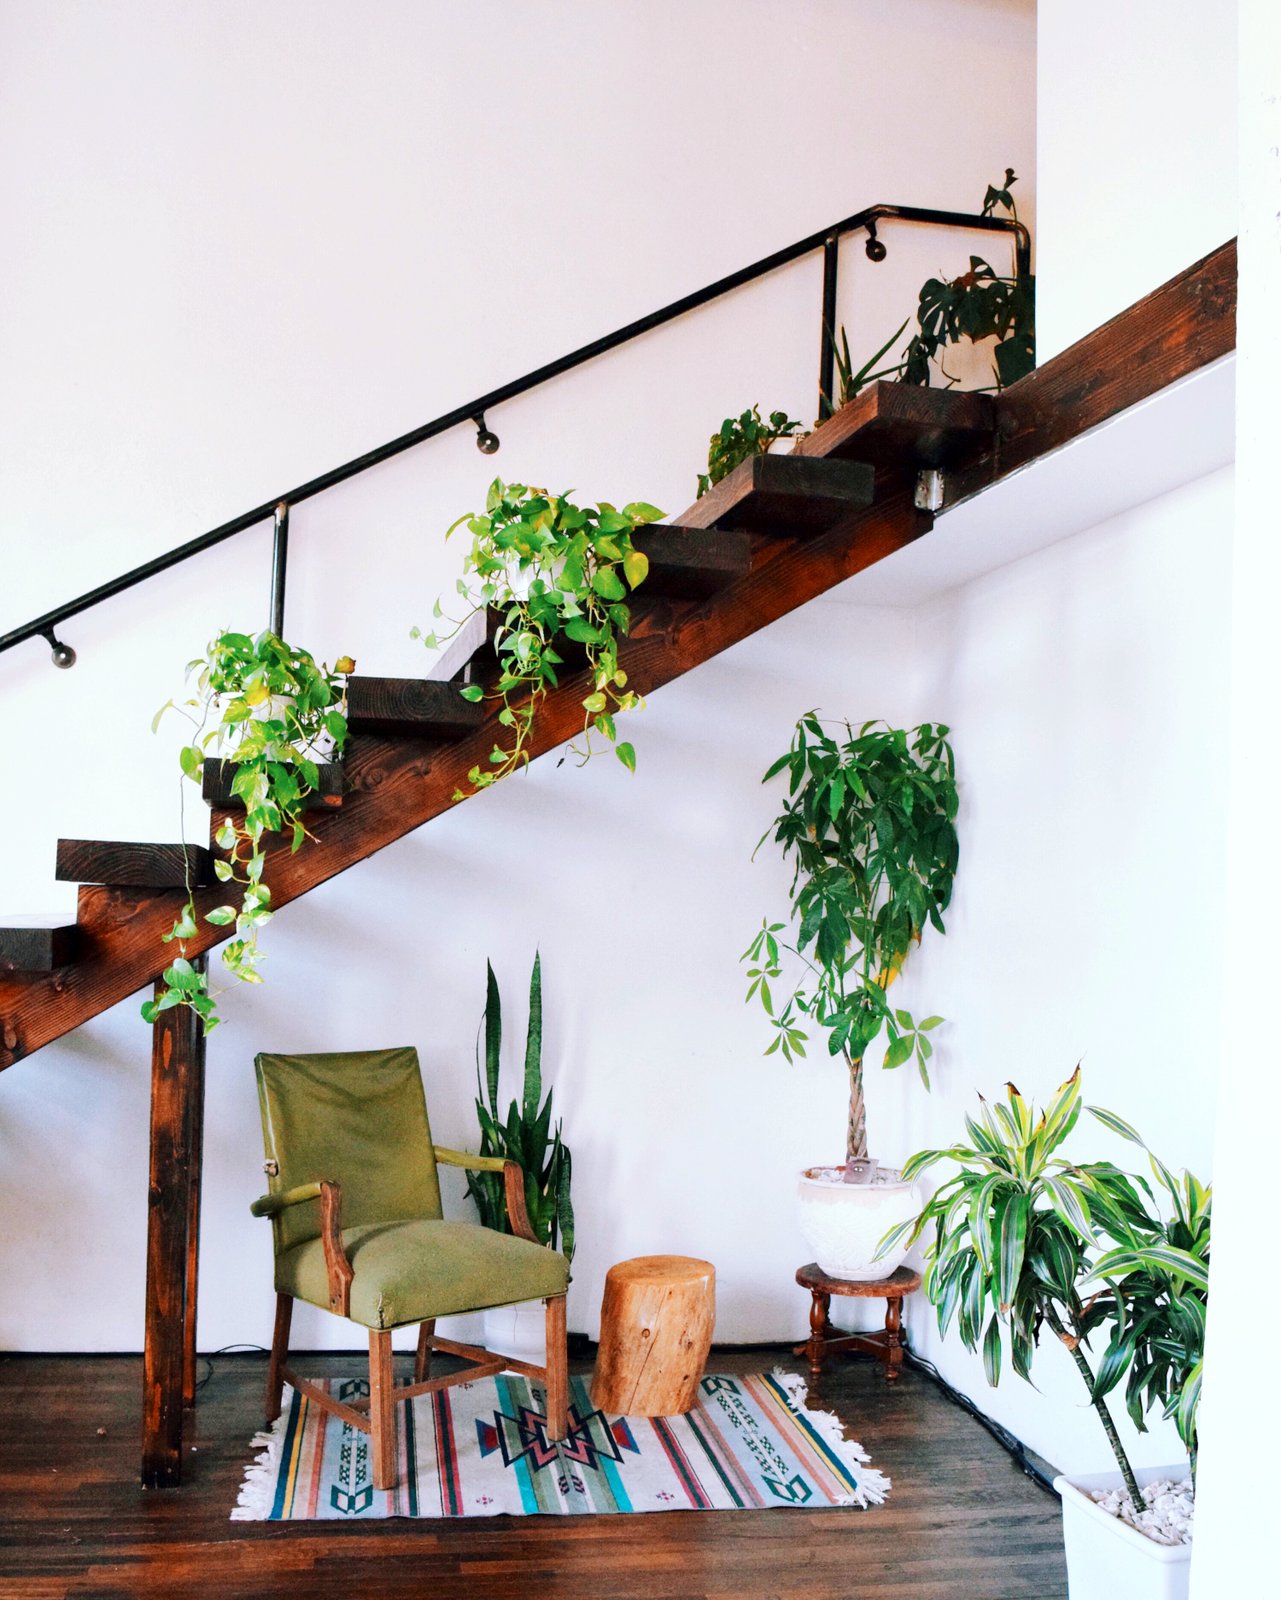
559, 575
739, 438
266, 708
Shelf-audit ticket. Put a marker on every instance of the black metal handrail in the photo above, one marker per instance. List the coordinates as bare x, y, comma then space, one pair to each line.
277, 508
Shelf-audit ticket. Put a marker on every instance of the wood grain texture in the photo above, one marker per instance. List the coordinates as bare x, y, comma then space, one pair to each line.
961, 1521
425, 707
177, 1061
32, 946
656, 1323
217, 776
399, 785
142, 866
691, 563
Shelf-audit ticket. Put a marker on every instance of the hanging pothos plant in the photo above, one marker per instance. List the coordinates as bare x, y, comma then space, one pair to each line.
559, 575
979, 304
739, 438
870, 827
265, 708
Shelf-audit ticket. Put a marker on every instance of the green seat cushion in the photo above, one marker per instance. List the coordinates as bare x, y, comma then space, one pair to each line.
413, 1271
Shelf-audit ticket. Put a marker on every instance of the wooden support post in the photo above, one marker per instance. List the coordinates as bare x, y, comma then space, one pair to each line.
195, 1157
177, 1075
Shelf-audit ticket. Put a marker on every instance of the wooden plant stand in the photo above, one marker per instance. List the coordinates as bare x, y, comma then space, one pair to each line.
888, 1345
655, 1331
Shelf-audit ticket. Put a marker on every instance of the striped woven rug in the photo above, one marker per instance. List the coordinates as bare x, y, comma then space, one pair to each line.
480, 1449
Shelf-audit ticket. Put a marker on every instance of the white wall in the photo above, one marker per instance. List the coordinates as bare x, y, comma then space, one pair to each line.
1136, 146
1085, 685
260, 238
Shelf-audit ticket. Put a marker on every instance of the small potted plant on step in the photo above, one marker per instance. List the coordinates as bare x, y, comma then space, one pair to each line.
1023, 1240
870, 827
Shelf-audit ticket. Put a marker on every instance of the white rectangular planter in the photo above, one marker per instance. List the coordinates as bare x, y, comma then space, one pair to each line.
1106, 1558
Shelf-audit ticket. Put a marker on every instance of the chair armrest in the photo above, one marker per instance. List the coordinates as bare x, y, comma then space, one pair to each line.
513, 1185
337, 1265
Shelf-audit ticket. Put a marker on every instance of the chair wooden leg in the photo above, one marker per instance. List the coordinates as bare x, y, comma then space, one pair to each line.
382, 1408
279, 1350
557, 1369
422, 1361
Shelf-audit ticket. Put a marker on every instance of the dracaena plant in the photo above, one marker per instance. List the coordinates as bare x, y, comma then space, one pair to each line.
978, 304
560, 575
526, 1136
1158, 1275
267, 709
869, 825
1017, 1235
739, 438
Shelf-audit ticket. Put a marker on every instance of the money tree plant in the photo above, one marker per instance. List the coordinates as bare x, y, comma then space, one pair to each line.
560, 576
869, 826
1018, 1234
271, 712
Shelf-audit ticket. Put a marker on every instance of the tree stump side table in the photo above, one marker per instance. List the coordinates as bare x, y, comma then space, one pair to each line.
824, 1340
656, 1323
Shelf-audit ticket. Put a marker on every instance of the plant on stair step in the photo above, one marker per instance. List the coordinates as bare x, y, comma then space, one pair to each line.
559, 575
266, 708
978, 304
1019, 1236
739, 438
526, 1136
869, 825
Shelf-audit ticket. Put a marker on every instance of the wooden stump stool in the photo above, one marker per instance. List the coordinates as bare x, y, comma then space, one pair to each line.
888, 1345
655, 1331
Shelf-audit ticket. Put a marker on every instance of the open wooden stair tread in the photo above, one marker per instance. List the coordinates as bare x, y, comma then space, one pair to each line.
141, 866
37, 944
217, 776
905, 426
423, 707
786, 497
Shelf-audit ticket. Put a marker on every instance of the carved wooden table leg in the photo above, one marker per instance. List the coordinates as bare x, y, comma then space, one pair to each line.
893, 1336
815, 1348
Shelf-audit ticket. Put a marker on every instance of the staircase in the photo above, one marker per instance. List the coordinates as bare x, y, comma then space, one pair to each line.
779, 531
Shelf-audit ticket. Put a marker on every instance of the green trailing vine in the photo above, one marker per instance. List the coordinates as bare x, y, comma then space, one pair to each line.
739, 438
560, 576
979, 304
266, 708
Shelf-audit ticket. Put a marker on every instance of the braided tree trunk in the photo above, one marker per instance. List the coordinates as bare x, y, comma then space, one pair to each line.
856, 1131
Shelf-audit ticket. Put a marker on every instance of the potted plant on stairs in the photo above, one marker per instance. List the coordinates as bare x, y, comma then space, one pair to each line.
1024, 1240
870, 828
527, 1137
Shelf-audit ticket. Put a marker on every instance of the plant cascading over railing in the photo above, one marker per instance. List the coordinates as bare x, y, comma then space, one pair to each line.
266, 708
559, 575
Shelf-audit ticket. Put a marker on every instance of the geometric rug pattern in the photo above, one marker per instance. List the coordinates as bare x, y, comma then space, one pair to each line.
480, 1449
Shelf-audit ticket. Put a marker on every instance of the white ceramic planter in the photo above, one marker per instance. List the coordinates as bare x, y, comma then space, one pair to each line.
519, 1331
1109, 1560
844, 1222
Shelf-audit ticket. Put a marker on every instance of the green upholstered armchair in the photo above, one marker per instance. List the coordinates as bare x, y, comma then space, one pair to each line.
356, 1222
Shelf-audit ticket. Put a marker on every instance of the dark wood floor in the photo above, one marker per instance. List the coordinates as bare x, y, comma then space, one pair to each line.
961, 1523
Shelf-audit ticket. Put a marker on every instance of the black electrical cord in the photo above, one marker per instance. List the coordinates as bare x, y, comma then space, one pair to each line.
226, 1350
1015, 1447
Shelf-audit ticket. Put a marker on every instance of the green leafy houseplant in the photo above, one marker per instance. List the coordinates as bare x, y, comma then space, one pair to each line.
978, 304
526, 1136
557, 572
869, 825
269, 710
1018, 1233
739, 438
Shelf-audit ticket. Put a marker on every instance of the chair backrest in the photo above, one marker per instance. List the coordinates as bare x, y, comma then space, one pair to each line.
355, 1117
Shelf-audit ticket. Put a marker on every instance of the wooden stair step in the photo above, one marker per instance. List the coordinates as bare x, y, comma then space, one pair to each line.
422, 706
37, 944
905, 427
787, 497
691, 563
216, 779
138, 866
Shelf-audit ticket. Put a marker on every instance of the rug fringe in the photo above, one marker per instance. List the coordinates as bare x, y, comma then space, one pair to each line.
872, 1485
258, 1491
